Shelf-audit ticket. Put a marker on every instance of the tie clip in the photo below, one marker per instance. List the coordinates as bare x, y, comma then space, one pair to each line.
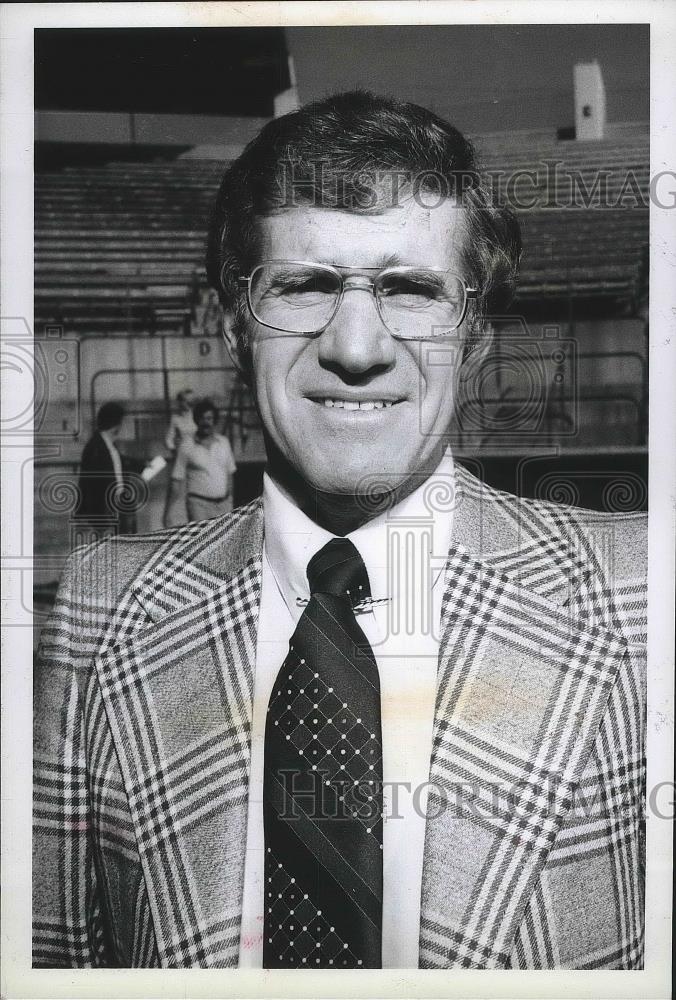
361, 607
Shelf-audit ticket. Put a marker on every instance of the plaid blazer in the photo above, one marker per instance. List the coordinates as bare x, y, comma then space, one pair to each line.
143, 708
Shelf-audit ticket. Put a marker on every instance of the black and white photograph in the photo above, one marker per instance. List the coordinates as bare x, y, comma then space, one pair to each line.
339, 457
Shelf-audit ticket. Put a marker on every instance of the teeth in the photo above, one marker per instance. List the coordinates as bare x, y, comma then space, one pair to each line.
351, 404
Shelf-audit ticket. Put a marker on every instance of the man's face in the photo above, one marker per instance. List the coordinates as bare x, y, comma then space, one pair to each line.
206, 424
334, 448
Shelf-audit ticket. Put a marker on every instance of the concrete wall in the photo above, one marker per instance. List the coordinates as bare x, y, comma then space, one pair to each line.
231, 134
483, 78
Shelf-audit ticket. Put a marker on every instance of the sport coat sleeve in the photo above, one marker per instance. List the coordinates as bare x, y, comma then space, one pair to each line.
68, 928
104, 892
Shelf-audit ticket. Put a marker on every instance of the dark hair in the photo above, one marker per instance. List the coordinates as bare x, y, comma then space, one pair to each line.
329, 154
109, 415
204, 406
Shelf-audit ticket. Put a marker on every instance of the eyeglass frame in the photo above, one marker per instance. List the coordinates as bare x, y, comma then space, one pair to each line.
471, 294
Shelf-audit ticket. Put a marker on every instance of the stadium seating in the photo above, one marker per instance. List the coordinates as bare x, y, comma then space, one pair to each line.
584, 214
119, 249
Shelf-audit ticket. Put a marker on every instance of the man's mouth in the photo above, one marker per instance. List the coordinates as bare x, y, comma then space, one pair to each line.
355, 404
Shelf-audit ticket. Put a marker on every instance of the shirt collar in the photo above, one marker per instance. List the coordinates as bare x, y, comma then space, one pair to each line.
424, 518
108, 439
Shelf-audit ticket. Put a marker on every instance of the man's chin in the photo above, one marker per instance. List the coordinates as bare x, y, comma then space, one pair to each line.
341, 473
366, 486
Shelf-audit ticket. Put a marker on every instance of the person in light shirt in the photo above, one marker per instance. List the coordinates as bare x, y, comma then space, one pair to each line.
205, 466
358, 261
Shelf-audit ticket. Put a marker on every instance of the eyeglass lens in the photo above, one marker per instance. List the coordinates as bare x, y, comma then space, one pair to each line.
301, 298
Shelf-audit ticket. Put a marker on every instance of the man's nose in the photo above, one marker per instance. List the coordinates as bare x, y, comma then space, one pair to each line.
357, 340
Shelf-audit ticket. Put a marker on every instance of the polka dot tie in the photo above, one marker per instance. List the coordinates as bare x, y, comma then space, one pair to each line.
322, 787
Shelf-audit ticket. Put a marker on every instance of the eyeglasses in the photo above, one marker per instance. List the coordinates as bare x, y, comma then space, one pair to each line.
302, 297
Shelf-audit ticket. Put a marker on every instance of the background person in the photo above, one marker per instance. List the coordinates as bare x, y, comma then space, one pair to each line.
107, 477
181, 424
205, 465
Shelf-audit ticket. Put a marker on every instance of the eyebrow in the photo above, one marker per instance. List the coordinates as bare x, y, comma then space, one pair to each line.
390, 260
385, 260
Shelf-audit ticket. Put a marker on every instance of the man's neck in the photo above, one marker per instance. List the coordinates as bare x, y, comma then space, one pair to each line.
342, 513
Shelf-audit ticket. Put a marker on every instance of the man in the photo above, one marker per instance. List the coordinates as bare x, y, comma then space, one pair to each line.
181, 424
109, 489
205, 463
385, 715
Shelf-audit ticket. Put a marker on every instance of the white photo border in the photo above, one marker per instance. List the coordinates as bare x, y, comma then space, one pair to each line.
19, 979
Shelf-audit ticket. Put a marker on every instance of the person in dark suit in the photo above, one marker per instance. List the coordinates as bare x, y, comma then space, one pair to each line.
109, 486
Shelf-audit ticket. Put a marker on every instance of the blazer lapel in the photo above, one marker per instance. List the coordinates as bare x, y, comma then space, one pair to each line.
178, 695
522, 686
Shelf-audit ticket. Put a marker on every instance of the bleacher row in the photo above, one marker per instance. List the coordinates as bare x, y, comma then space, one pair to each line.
585, 216
119, 249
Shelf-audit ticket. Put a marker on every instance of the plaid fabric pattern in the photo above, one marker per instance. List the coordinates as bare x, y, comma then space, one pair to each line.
534, 845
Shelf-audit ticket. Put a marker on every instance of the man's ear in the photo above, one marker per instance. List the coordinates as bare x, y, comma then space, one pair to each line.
230, 337
485, 341
478, 346
232, 342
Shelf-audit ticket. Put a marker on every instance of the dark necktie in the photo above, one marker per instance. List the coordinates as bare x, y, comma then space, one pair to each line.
322, 786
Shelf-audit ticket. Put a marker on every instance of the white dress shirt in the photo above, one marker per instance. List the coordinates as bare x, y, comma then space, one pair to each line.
207, 467
114, 455
404, 551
